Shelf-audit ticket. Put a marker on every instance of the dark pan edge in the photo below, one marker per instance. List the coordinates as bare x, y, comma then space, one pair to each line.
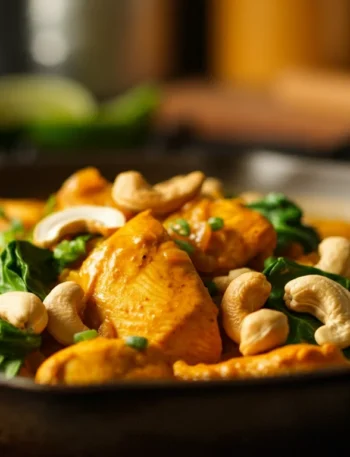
330, 376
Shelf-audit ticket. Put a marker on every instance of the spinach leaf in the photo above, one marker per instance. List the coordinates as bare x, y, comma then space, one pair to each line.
302, 326
15, 344
69, 251
25, 267
286, 217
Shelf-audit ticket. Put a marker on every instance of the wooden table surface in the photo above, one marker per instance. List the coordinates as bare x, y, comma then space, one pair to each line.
215, 111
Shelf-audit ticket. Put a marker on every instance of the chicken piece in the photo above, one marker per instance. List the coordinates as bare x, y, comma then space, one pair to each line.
282, 361
245, 235
28, 211
102, 360
85, 187
143, 284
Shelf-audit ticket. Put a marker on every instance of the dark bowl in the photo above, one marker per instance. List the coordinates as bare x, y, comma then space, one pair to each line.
296, 415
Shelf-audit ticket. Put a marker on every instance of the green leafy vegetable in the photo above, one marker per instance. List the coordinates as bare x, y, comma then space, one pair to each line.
302, 326
137, 342
25, 267
86, 335
216, 223
286, 217
15, 344
69, 251
182, 227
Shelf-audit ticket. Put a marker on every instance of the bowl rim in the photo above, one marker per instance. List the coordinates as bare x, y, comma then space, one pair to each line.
326, 376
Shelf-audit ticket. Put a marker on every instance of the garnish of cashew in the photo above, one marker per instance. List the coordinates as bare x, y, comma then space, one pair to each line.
325, 299
334, 254
213, 188
245, 294
77, 219
222, 282
132, 192
262, 331
23, 310
63, 304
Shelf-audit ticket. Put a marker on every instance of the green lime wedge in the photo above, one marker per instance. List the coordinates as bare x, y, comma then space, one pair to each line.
33, 99
133, 107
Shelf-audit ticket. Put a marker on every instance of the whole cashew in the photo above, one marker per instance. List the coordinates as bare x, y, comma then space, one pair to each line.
63, 304
23, 310
77, 219
334, 254
222, 282
325, 299
132, 192
213, 188
244, 295
262, 331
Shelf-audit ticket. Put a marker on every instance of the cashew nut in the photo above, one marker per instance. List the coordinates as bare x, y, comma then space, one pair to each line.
334, 254
262, 331
132, 192
325, 299
244, 295
77, 219
213, 188
63, 304
222, 282
23, 310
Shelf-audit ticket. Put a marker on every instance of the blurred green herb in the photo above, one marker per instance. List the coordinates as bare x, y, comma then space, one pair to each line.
50, 205
286, 217
69, 251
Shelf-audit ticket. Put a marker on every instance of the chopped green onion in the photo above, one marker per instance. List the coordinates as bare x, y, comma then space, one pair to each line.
11, 367
212, 288
185, 246
84, 336
50, 205
216, 223
137, 342
17, 225
181, 227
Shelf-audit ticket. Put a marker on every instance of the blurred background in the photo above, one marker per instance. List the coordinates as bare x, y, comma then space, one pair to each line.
119, 74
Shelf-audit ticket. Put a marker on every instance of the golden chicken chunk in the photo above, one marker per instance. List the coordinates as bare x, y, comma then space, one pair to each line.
28, 211
140, 283
102, 360
282, 361
240, 235
85, 187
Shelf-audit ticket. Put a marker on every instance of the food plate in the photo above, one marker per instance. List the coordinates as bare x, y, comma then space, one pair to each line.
298, 415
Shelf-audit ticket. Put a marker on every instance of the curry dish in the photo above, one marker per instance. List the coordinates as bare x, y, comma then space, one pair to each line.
178, 281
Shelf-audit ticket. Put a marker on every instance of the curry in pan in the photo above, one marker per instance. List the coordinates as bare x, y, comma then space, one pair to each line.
128, 281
